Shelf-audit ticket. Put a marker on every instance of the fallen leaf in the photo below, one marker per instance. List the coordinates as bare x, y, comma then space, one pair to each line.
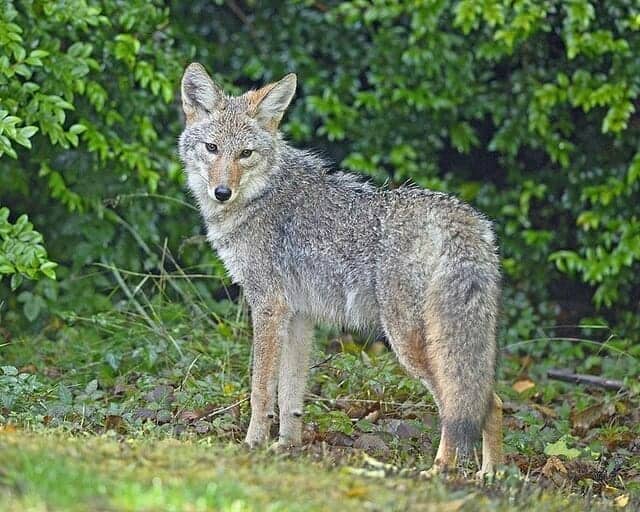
29, 368
520, 386
115, 422
161, 394
356, 492
593, 416
9, 428
119, 389
338, 439
546, 411
372, 416
621, 501
401, 429
610, 489
555, 471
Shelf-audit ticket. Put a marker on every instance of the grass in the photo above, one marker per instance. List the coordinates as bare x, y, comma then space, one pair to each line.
144, 407
54, 471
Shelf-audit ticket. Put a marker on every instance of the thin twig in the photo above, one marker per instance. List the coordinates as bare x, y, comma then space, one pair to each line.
186, 376
114, 201
324, 361
223, 409
127, 291
165, 275
235, 8
591, 380
601, 345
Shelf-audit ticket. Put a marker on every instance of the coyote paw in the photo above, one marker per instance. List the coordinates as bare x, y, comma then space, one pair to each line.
255, 438
435, 470
281, 446
488, 474
284, 444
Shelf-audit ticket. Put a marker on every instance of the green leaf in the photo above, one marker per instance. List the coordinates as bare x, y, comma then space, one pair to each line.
16, 281
31, 309
560, 448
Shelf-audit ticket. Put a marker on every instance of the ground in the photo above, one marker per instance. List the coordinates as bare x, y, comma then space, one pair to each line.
123, 411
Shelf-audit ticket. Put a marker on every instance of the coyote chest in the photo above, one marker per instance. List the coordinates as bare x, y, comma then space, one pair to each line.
317, 276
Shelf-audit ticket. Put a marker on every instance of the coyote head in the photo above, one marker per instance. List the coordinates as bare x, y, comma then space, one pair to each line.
230, 142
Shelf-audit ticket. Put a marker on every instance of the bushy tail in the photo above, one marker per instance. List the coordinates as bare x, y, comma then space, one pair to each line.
464, 302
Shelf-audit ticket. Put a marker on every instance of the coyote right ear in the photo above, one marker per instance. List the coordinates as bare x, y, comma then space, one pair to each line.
200, 95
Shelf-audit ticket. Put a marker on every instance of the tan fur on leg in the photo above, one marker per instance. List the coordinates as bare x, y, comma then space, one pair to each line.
269, 329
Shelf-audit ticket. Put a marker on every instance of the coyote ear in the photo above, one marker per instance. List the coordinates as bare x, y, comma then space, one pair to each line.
267, 105
200, 95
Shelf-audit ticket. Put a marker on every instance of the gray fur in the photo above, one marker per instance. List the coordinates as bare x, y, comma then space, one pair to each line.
307, 243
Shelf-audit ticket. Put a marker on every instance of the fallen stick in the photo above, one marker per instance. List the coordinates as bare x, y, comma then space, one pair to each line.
578, 378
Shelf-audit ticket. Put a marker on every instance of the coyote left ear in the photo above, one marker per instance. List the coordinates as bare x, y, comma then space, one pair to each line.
268, 104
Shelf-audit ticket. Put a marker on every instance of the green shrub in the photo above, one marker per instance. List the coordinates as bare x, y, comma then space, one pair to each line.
21, 251
88, 122
525, 109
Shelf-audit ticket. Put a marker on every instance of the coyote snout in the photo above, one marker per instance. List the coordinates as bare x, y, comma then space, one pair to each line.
309, 245
222, 193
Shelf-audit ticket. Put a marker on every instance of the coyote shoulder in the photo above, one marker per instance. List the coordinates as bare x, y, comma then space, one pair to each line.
310, 245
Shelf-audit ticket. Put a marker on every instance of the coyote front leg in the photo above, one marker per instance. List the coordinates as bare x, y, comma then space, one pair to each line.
269, 328
294, 367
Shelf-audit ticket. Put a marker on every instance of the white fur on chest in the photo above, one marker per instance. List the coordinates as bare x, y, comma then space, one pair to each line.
217, 234
232, 262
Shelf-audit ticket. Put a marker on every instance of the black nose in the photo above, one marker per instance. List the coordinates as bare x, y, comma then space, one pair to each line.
222, 193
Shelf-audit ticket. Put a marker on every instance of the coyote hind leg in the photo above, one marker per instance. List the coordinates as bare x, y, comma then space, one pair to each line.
410, 346
461, 380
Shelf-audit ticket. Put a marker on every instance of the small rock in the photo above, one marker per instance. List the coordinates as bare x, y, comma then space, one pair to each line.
401, 429
144, 414
163, 416
339, 439
161, 394
202, 427
371, 443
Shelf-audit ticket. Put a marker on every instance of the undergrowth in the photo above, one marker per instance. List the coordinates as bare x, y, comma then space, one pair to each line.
169, 364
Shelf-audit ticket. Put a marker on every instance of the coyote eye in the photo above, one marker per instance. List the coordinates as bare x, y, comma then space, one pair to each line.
211, 147
246, 153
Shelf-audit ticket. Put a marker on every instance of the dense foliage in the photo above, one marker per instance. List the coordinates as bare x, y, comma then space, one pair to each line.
526, 109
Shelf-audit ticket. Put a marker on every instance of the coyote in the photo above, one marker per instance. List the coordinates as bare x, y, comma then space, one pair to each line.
308, 245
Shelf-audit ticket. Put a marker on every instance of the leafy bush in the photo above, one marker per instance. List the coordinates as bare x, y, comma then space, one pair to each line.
21, 251
87, 135
525, 109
